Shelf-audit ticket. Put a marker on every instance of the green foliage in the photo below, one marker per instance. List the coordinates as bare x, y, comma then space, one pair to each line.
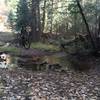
73, 8
45, 47
12, 5
11, 19
23, 15
65, 14
10, 49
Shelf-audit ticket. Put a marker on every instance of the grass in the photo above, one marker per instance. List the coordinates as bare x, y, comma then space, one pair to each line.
45, 47
38, 46
10, 49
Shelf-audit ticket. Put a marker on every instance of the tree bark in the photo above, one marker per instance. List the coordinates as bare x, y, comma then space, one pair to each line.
87, 26
51, 17
99, 26
38, 30
36, 24
43, 18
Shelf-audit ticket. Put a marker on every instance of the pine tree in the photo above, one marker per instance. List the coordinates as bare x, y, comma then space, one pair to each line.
11, 20
23, 15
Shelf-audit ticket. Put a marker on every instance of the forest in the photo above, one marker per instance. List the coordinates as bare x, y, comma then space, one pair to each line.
57, 21
50, 50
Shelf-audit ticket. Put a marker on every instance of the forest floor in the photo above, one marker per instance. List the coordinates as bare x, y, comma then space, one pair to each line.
22, 84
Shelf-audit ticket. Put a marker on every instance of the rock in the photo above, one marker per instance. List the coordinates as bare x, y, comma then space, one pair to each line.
18, 97
96, 88
27, 98
72, 84
12, 98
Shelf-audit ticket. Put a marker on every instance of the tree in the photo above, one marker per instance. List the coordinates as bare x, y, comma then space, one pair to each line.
51, 22
12, 6
36, 23
23, 15
11, 20
87, 26
44, 12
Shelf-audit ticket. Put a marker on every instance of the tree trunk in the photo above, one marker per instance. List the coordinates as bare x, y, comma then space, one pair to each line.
36, 29
43, 18
87, 26
51, 17
99, 26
